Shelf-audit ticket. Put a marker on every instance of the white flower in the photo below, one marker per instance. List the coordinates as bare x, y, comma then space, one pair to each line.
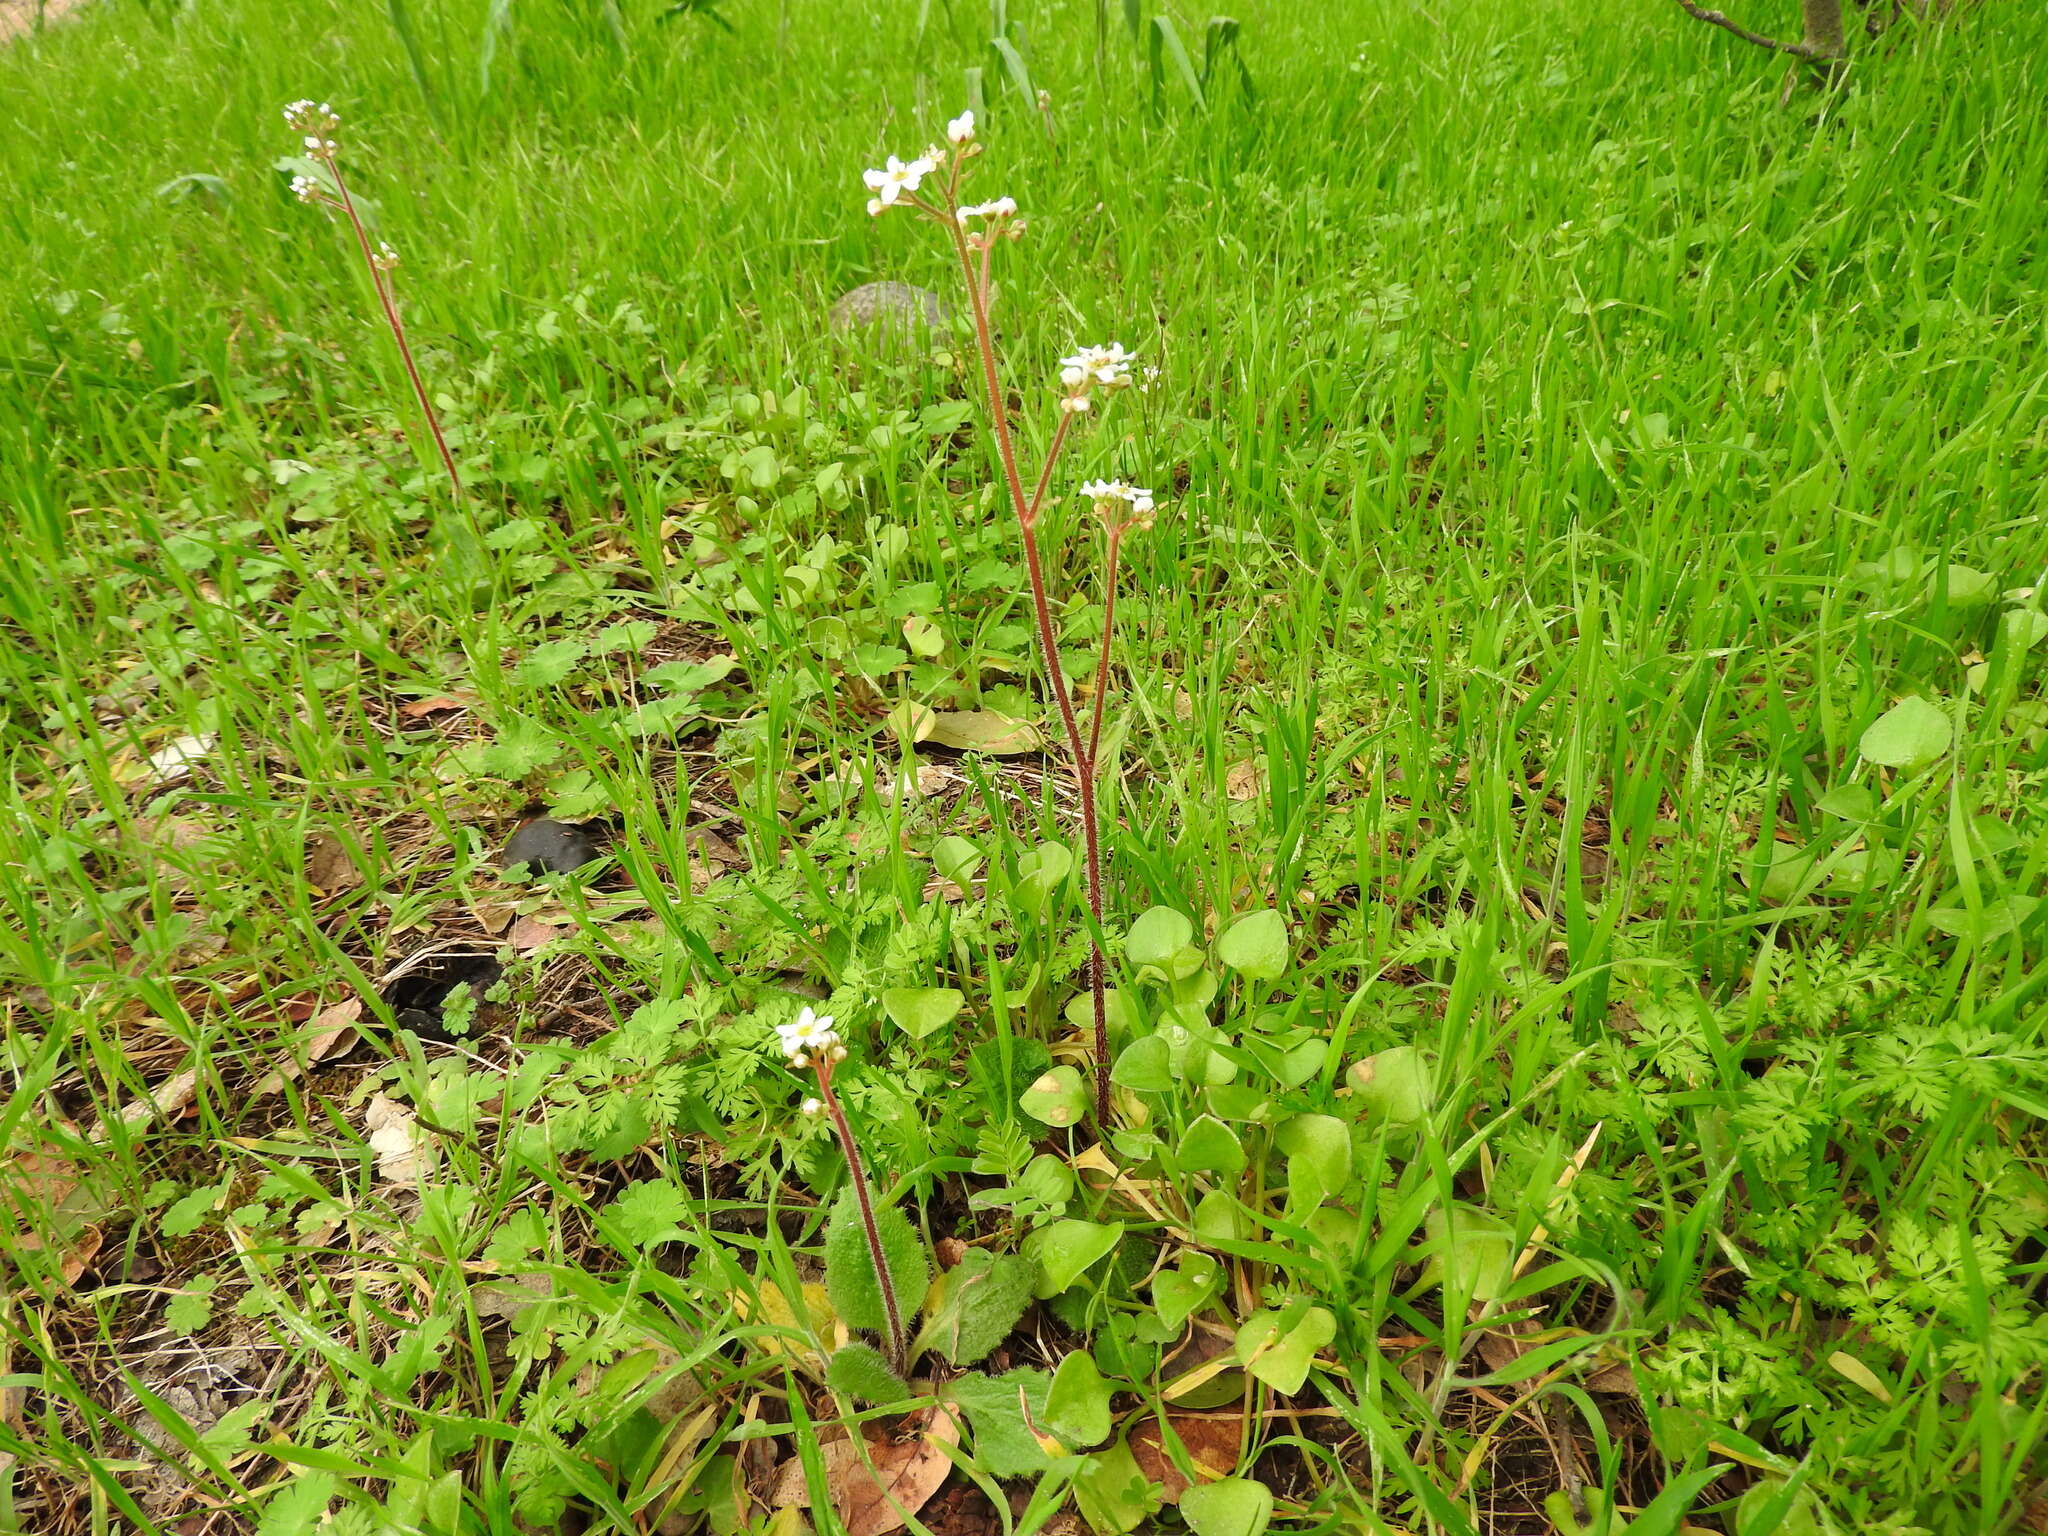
385, 257
896, 178
1000, 208
806, 1033
875, 207
961, 129
1074, 404
812, 1107
310, 117
1137, 496
1108, 364
305, 189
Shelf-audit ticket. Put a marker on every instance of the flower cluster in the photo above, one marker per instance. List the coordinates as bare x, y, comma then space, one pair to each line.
1105, 367
307, 190
385, 258
1119, 505
999, 208
317, 122
808, 1035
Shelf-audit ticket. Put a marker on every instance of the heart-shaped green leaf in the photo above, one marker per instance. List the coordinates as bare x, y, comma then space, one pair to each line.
1255, 946
1209, 1146
918, 1011
1144, 1066
1077, 1407
1278, 1347
1066, 1249
1158, 936
1179, 1293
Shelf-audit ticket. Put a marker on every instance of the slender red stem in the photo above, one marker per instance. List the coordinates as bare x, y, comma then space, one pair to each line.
384, 297
898, 1342
1111, 559
1027, 520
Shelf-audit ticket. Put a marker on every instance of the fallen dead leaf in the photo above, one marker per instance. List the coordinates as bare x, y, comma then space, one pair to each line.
177, 760
982, 730
441, 703
333, 1031
1211, 1440
1246, 780
394, 1137
49, 1204
907, 1470
169, 1099
531, 933
494, 916
330, 867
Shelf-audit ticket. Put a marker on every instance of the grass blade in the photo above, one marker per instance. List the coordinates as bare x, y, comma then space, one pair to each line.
415, 60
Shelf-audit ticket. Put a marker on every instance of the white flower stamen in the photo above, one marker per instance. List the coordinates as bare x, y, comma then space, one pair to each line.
807, 1034
894, 179
998, 208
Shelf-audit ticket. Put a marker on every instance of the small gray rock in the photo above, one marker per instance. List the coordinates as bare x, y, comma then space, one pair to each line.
890, 306
548, 847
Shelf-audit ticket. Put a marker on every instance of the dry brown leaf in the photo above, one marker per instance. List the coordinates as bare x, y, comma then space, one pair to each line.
1211, 1441
907, 1470
330, 867
982, 730
48, 1203
1246, 780
531, 933
168, 1100
333, 1031
494, 916
419, 709
395, 1138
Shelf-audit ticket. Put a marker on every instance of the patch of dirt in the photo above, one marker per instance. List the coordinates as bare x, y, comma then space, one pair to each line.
20, 16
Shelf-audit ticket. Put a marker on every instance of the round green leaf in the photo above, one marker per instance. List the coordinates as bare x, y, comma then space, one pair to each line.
1233, 1506
1158, 937
1256, 945
1144, 1066
1067, 1248
1910, 735
1396, 1085
1058, 1098
1209, 1146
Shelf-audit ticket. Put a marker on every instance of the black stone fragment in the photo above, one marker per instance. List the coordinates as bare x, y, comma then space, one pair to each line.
548, 847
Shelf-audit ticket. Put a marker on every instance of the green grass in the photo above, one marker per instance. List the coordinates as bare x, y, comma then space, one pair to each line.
1568, 454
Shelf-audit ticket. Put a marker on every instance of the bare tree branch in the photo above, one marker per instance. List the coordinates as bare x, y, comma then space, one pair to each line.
1716, 19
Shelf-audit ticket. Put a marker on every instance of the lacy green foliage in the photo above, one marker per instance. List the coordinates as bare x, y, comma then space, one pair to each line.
850, 1275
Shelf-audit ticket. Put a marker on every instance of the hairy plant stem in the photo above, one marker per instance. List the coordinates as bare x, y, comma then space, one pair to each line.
898, 1343
1078, 751
391, 318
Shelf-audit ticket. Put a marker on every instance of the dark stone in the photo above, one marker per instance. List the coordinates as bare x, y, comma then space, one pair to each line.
417, 997
548, 847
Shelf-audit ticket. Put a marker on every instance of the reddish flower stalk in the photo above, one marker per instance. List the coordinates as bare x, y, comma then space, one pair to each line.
316, 123
812, 1042
974, 230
